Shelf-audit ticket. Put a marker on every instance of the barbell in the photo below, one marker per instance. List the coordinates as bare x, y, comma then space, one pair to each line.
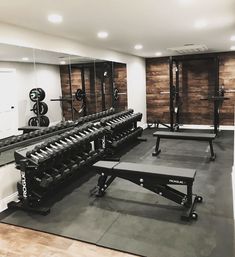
81, 94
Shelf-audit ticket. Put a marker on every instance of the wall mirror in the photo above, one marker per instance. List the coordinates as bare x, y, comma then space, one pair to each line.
71, 87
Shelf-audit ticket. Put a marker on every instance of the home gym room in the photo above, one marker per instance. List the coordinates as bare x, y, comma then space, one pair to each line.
117, 128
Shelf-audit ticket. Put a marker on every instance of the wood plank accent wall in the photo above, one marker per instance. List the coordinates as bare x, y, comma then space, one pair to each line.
227, 78
196, 82
93, 88
120, 82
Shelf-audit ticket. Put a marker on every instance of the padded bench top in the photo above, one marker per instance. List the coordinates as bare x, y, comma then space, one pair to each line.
147, 169
184, 135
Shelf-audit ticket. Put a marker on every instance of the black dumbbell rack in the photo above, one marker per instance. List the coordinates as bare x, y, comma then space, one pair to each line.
47, 166
124, 129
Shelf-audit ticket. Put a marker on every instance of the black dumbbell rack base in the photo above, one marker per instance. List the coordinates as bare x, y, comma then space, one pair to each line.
21, 206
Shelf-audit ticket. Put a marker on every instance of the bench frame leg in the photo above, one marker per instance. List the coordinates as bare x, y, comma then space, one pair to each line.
157, 150
103, 183
213, 156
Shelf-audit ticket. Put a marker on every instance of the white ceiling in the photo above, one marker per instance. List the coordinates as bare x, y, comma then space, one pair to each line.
156, 24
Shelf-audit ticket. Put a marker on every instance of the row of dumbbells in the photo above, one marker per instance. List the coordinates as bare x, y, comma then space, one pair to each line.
58, 174
124, 121
116, 117
96, 116
126, 137
60, 126
124, 128
58, 148
36, 133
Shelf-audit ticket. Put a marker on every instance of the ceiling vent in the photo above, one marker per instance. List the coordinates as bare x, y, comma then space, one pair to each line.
188, 49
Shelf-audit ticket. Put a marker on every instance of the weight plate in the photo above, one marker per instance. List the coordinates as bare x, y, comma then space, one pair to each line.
115, 94
40, 108
37, 94
42, 94
80, 94
33, 121
44, 121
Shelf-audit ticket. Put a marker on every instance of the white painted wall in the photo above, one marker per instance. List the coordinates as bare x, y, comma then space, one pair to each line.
44, 76
9, 176
136, 87
233, 171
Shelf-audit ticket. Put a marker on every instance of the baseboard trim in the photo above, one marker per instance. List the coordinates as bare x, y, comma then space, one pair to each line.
193, 126
233, 188
6, 200
144, 126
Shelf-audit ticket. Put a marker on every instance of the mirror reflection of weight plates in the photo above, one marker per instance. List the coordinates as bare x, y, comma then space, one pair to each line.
37, 95
41, 121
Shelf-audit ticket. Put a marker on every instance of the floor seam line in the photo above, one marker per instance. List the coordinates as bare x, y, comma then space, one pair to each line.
107, 229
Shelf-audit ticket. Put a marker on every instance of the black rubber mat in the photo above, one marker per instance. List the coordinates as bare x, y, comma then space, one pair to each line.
130, 218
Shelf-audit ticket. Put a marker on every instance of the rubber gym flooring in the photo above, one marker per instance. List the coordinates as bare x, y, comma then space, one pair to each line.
132, 219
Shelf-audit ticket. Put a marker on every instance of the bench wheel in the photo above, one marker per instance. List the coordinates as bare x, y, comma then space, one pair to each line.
199, 199
194, 215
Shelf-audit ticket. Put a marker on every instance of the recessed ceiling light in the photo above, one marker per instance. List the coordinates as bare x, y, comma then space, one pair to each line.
232, 38
25, 59
232, 48
200, 24
138, 47
62, 62
55, 18
102, 34
158, 53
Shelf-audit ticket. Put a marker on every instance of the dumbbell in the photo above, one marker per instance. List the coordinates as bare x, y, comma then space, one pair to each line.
48, 154
124, 117
6, 142
37, 133
68, 142
47, 130
46, 147
94, 155
65, 169
59, 126
56, 175
38, 158
13, 140
71, 136
45, 181
52, 149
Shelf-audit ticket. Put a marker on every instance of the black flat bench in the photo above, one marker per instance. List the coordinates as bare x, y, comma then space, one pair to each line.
154, 178
184, 136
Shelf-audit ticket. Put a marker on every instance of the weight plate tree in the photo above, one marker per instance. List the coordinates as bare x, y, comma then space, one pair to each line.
37, 95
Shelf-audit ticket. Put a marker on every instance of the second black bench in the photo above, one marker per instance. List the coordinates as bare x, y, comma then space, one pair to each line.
185, 136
